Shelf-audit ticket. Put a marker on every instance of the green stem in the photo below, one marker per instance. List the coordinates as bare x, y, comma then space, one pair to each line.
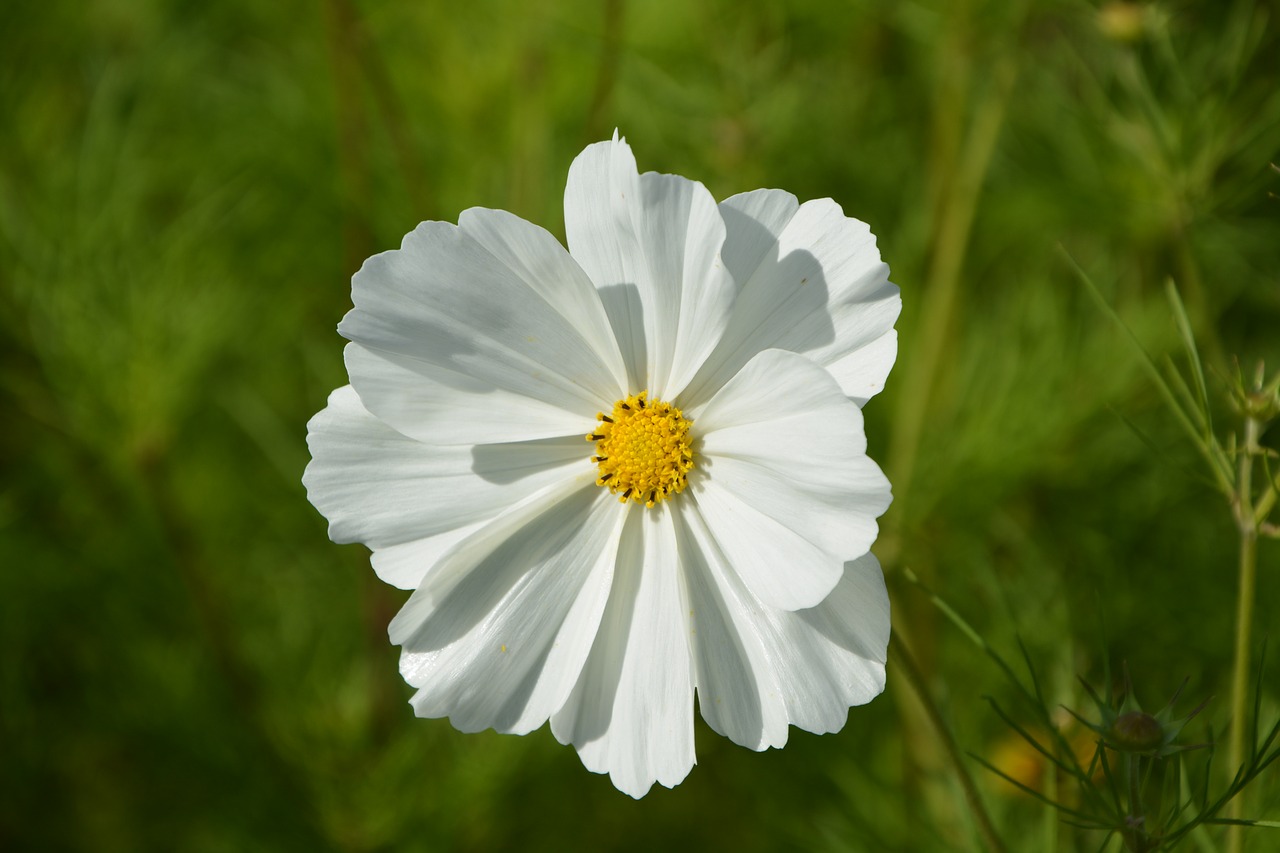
1263, 507
906, 664
943, 282
1135, 805
1219, 465
1240, 676
1248, 527
1189, 275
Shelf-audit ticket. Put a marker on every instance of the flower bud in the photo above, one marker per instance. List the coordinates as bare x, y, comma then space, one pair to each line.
1135, 731
1260, 406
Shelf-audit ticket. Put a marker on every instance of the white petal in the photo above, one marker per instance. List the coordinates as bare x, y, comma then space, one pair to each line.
738, 692
443, 407
820, 661
497, 638
777, 564
538, 259
861, 373
651, 243
783, 481
811, 282
409, 502
631, 713
405, 564
753, 222
831, 657
461, 313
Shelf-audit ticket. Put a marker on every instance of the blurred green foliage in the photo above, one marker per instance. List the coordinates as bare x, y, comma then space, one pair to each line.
186, 662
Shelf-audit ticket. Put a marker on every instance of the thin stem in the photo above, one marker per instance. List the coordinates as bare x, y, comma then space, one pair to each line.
1244, 618
1267, 499
943, 280
1263, 507
906, 664
1240, 675
1135, 796
1208, 448
1189, 275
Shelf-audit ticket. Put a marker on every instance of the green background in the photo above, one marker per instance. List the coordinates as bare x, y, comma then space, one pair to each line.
187, 663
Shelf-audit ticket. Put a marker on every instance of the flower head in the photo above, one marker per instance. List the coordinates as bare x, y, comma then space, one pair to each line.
710, 536
1123, 726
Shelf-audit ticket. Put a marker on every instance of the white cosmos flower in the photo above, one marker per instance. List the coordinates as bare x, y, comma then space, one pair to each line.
710, 535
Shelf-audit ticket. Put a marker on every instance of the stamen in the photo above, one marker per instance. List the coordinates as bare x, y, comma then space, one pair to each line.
644, 450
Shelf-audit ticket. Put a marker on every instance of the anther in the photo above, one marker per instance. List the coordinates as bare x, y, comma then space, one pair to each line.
646, 452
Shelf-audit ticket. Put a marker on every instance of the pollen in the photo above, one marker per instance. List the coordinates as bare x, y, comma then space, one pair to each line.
644, 450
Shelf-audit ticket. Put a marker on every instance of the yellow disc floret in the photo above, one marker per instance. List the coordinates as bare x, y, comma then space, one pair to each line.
644, 450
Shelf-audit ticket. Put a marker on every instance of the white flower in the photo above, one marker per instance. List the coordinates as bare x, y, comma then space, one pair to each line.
712, 533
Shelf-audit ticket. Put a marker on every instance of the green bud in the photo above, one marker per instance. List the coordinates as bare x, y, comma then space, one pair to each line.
1136, 731
1260, 406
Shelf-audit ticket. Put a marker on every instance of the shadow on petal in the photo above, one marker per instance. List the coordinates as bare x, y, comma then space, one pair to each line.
626, 315
511, 462
855, 616
783, 304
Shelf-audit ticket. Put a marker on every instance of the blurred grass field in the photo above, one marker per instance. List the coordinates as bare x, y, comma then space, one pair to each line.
187, 663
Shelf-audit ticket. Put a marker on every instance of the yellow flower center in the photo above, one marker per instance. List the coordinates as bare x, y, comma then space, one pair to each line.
644, 450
